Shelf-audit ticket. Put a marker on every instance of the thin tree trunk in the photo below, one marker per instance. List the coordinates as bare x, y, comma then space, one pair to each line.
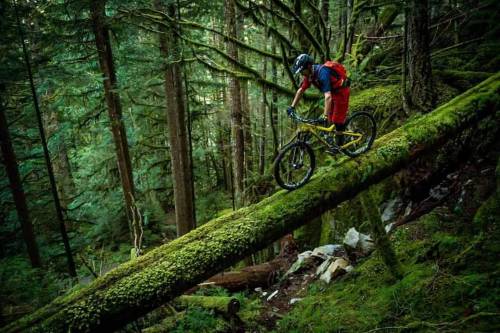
177, 130
236, 112
262, 143
355, 9
404, 59
245, 105
62, 168
382, 243
273, 109
114, 107
50, 171
419, 59
16, 186
190, 140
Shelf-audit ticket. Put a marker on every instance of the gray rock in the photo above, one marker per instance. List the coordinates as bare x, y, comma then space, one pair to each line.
390, 209
324, 266
328, 250
303, 259
358, 241
336, 268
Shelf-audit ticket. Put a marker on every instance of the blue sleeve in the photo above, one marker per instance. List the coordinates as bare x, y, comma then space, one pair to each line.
324, 80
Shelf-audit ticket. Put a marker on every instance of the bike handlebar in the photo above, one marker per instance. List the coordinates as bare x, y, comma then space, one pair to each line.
300, 119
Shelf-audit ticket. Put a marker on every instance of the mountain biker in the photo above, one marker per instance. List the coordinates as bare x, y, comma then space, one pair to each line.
331, 79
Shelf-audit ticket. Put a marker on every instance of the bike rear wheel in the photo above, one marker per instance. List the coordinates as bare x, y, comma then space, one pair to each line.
364, 124
294, 165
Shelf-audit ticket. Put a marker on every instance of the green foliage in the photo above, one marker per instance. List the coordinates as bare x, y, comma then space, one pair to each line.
197, 319
22, 284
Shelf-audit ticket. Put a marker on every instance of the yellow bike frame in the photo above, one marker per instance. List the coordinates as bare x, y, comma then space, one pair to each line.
316, 129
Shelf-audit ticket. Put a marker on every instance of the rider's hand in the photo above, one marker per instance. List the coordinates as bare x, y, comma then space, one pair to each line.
290, 110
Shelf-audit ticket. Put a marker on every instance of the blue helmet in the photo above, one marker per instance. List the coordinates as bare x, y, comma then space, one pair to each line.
301, 62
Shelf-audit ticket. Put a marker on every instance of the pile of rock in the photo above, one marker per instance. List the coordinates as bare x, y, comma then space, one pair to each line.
332, 260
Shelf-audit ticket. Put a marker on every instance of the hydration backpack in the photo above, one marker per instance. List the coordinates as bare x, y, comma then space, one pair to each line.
339, 74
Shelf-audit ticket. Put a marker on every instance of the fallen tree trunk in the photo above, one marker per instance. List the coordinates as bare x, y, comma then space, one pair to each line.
262, 275
136, 287
223, 304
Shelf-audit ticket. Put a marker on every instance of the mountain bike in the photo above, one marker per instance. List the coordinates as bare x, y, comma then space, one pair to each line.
295, 163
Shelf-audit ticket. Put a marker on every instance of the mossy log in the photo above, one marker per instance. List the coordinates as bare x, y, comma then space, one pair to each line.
136, 287
223, 304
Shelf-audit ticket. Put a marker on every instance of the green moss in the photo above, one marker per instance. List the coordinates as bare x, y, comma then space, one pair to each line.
308, 236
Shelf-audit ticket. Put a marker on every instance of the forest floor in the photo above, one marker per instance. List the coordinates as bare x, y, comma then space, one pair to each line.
450, 283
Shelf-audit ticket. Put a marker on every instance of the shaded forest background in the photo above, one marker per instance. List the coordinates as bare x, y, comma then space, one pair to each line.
128, 123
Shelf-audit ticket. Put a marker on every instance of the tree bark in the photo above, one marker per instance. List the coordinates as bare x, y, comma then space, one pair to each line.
16, 186
261, 275
419, 57
137, 287
177, 130
238, 143
105, 55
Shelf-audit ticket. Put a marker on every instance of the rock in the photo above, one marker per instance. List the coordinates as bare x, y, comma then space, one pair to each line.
390, 209
323, 267
272, 295
337, 268
303, 260
388, 227
349, 269
334, 250
358, 241
295, 300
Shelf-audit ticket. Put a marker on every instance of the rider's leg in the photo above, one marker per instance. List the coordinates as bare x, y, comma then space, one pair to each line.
339, 111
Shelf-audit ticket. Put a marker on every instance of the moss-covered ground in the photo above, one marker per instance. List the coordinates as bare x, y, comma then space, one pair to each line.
451, 281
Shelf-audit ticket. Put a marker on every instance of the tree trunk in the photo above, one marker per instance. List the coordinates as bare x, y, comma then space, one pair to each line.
419, 57
236, 110
382, 242
16, 186
325, 8
114, 107
245, 105
62, 168
355, 9
273, 108
135, 288
404, 62
50, 171
263, 128
177, 130
262, 275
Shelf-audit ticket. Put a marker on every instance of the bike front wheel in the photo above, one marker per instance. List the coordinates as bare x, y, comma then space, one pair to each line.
364, 129
294, 165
